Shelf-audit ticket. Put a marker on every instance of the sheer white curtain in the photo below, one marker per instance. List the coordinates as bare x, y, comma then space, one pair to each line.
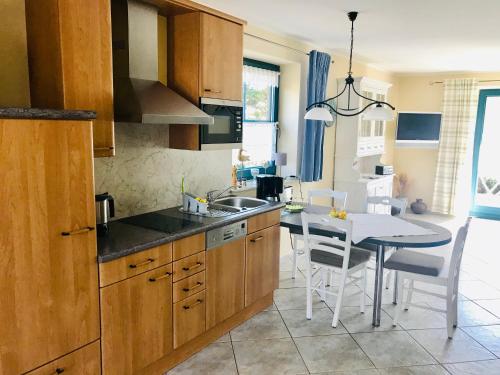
452, 184
259, 78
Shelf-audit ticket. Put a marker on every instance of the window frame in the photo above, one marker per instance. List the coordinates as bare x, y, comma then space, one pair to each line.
274, 97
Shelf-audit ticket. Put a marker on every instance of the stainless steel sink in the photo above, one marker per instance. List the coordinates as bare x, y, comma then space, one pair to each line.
241, 203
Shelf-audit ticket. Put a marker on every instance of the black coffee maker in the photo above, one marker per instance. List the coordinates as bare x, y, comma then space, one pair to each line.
269, 187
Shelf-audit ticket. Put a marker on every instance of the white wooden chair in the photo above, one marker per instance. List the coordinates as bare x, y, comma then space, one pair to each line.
417, 266
332, 254
339, 198
372, 205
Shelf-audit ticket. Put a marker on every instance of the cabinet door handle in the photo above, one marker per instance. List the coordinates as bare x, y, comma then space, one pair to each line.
187, 307
146, 262
257, 239
198, 284
59, 370
194, 266
104, 148
167, 274
214, 91
77, 231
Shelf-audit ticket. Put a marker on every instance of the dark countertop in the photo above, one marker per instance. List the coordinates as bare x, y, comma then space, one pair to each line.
46, 114
124, 239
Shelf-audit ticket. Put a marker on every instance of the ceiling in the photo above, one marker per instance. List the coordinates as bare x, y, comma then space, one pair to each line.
395, 35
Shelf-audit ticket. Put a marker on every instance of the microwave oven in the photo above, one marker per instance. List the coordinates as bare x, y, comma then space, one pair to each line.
227, 129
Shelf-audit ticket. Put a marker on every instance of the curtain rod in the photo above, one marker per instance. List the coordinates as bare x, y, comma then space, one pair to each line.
279, 44
482, 81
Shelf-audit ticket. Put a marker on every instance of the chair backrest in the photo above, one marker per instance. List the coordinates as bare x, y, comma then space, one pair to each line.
335, 245
398, 203
339, 197
456, 256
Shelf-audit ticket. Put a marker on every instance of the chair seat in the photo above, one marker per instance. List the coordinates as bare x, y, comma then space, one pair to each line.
356, 258
365, 246
415, 262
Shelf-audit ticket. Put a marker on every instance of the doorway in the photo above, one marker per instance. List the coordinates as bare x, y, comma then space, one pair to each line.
486, 157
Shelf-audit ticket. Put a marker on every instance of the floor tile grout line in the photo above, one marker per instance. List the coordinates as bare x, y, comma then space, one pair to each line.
234, 354
473, 339
294, 343
337, 334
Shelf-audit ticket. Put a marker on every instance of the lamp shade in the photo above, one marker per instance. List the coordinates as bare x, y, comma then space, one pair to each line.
319, 114
279, 158
379, 113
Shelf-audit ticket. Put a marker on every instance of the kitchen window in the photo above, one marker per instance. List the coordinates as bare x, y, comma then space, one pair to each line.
260, 112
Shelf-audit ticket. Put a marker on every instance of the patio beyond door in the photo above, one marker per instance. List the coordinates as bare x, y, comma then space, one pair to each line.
486, 159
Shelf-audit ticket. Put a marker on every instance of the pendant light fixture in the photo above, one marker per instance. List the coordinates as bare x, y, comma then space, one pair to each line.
375, 109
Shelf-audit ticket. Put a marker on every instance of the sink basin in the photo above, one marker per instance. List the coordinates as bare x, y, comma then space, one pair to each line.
242, 203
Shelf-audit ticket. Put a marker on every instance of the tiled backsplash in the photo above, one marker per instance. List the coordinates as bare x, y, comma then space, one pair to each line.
145, 175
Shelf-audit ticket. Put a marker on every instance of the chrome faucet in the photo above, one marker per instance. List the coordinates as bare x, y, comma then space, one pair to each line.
211, 196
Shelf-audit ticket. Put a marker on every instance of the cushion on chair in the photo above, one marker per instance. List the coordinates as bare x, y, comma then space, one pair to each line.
414, 262
324, 257
365, 246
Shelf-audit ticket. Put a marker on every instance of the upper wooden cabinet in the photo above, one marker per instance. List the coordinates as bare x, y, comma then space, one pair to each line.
70, 61
50, 301
205, 56
221, 66
205, 59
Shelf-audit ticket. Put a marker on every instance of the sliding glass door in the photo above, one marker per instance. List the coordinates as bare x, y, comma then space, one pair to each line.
486, 159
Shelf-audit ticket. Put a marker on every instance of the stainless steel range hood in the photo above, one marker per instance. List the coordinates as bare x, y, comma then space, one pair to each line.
138, 95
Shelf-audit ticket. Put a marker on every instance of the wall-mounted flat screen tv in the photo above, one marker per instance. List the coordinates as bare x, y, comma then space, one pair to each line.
418, 129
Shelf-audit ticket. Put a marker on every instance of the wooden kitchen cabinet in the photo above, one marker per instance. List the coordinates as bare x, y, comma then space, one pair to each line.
84, 361
70, 61
225, 281
221, 51
49, 282
205, 59
262, 263
189, 318
136, 318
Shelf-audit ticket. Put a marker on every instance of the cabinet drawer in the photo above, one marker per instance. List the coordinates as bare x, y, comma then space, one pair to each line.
189, 246
189, 318
189, 286
84, 361
134, 264
189, 266
262, 221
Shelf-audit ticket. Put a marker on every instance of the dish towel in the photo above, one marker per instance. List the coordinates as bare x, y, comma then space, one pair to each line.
372, 225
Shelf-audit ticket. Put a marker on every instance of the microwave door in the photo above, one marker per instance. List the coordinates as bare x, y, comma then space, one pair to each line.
223, 130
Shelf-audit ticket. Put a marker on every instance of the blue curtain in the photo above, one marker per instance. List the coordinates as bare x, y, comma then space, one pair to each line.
312, 147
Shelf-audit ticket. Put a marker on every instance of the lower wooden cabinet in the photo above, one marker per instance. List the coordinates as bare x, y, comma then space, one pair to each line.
262, 263
225, 281
136, 319
84, 361
189, 318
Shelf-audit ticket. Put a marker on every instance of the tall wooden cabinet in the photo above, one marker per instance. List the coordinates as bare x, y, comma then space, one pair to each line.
70, 63
205, 59
50, 303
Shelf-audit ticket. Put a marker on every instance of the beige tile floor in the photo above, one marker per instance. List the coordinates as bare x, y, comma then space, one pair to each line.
281, 341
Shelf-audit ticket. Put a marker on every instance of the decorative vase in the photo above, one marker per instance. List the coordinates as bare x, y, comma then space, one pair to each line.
418, 207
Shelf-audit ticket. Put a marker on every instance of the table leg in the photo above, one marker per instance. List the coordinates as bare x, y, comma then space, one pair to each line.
379, 283
395, 291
